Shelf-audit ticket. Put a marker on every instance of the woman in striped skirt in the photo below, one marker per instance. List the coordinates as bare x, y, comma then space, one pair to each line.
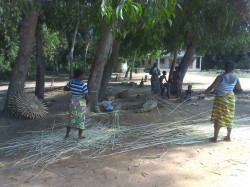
224, 103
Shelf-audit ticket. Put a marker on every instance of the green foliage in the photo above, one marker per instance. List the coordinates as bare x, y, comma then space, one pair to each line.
226, 45
26, 5
217, 61
146, 36
128, 10
54, 45
10, 17
63, 16
4, 69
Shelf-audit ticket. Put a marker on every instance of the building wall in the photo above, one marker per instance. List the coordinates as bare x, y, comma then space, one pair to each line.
165, 63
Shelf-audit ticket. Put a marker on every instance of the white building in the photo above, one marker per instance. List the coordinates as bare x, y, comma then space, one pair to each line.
164, 62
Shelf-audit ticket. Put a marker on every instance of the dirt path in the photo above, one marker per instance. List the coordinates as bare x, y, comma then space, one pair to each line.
224, 165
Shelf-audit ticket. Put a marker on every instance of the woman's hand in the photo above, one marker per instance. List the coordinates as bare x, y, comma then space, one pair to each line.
65, 88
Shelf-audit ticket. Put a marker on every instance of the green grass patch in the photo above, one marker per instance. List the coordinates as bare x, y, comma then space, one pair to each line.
239, 74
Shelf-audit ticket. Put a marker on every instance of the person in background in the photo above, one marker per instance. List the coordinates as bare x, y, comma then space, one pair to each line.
177, 81
155, 83
163, 85
188, 93
224, 103
77, 110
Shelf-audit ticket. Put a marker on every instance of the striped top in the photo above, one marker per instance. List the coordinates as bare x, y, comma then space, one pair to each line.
77, 88
226, 87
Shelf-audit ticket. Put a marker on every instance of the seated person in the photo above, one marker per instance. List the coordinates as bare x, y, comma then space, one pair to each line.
188, 93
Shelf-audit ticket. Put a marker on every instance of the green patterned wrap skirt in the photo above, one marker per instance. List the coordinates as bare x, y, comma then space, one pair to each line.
77, 112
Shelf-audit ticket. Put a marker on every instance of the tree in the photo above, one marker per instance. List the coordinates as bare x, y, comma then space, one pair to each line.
96, 72
55, 45
71, 52
27, 35
122, 16
40, 60
109, 68
76, 18
10, 17
199, 22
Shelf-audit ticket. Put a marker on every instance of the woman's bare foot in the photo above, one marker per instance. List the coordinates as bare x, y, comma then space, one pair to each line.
227, 139
213, 140
81, 138
66, 137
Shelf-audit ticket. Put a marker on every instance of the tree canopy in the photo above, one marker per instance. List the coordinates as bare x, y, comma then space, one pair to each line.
74, 30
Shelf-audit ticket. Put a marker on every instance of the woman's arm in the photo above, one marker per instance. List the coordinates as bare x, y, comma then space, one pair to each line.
216, 82
238, 86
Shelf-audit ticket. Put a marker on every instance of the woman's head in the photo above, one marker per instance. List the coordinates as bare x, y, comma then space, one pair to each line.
155, 65
78, 73
189, 87
229, 66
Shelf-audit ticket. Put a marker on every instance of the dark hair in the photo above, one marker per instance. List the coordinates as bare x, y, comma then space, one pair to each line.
77, 73
229, 66
164, 72
190, 86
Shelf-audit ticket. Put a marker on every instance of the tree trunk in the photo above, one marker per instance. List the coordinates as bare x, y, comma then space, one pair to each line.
132, 67
128, 70
56, 68
170, 76
71, 52
40, 64
97, 67
131, 71
187, 59
109, 68
85, 58
20, 69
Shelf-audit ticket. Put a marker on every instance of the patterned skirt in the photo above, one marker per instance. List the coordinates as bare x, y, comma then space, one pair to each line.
155, 85
77, 112
224, 110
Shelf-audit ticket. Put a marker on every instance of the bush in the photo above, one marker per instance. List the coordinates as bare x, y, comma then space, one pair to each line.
5, 69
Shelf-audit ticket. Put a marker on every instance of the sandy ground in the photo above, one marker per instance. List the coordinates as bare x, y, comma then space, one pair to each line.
225, 164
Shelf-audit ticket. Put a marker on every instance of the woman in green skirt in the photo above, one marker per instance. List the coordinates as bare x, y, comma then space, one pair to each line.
77, 110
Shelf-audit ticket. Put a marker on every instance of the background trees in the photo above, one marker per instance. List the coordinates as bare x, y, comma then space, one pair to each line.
203, 24
92, 35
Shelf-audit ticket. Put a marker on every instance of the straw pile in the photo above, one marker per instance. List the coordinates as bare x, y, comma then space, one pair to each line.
41, 148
